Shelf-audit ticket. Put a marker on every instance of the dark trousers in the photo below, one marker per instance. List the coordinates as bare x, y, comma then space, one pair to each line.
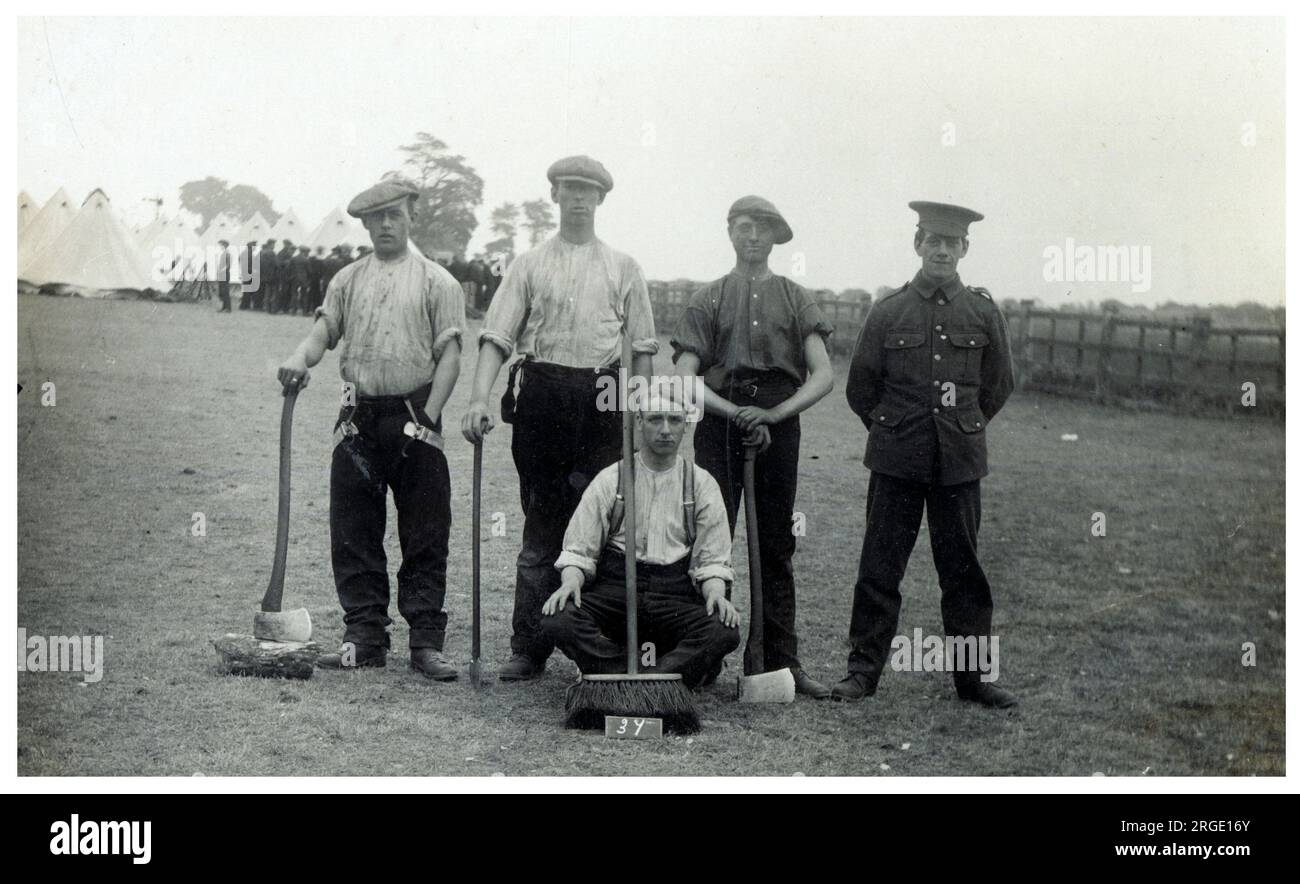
894, 508
670, 613
245, 297
364, 467
223, 292
560, 442
719, 449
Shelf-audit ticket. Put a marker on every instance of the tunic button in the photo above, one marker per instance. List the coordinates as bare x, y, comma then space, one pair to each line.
943, 337
936, 411
936, 383
978, 424
937, 357
755, 322
901, 342
938, 328
941, 303
972, 343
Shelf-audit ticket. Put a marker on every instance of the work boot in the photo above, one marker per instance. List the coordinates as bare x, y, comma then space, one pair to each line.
353, 656
522, 668
712, 675
808, 686
432, 664
987, 694
854, 687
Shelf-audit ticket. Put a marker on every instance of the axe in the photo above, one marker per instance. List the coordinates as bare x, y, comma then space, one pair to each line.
756, 685
270, 623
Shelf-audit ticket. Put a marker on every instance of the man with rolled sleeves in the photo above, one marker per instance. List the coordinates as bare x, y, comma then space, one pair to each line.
931, 368
398, 317
759, 342
562, 307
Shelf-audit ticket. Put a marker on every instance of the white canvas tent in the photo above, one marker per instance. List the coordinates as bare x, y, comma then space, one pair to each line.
290, 228
173, 248
222, 227
145, 234
49, 222
95, 254
338, 228
27, 209
255, 229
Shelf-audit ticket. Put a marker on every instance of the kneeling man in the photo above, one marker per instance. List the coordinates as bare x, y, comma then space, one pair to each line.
683, 555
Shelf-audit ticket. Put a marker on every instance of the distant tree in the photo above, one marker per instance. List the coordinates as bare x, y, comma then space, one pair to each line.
213, 196
538, 220
504, 223
450, 191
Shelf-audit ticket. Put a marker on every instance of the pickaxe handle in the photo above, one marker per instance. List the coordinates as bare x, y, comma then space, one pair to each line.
754, 644
275, 589
478, 517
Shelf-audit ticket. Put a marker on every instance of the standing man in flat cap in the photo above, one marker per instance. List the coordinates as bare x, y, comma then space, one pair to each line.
398, 317
284, 291
223, 275
759, 341
563, 307
931, 368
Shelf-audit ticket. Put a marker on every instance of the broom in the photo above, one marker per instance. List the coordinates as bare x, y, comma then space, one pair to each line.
633, 694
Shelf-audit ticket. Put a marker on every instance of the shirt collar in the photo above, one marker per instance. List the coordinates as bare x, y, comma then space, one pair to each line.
925, 288
768, 274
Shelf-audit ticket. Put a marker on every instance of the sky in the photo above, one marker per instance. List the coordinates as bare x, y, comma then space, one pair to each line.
1161, 137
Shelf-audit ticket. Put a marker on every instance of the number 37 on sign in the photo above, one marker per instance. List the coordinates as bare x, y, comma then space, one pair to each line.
618, 727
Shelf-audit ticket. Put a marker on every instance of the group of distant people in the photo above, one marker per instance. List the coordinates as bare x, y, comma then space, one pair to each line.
476, 278
293, 279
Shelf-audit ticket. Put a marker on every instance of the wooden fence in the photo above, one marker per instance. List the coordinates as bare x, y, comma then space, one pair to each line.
1103, 356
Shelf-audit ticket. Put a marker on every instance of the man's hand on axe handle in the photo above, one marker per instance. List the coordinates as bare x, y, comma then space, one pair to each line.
293, 372
760, 437
476, 422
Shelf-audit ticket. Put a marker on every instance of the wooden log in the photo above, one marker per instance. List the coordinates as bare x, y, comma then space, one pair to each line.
245, 655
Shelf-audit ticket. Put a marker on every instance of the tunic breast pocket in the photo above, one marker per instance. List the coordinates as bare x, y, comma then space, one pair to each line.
904, 355
969, 348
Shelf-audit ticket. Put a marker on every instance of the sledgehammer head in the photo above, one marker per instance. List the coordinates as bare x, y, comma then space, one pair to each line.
282, 626
766, 687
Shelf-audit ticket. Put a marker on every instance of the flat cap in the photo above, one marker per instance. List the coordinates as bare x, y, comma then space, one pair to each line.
944, 219
269, 242
388, 192
757, 207
581, 168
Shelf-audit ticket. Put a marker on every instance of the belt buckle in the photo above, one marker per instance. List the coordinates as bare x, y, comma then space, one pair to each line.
750, 390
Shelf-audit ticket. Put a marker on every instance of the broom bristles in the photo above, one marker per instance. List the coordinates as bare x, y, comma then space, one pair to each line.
588, 702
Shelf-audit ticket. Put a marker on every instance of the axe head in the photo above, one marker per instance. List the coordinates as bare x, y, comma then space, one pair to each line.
766, 687
282, 626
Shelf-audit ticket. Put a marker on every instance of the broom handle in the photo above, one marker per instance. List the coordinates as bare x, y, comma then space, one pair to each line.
754, 664
629, 505
478, 496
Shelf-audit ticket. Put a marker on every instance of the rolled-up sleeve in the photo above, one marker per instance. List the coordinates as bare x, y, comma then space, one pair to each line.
811, 319
508, 311
711, 555
641, 321
446, 313
585, 536
695, 331
333, 308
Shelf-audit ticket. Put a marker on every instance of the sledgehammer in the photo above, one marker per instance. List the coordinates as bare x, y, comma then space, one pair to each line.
756, 685
270, 623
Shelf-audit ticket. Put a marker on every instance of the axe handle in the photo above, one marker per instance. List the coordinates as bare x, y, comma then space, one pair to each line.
275, 589
478, 497
629, 502
754, 644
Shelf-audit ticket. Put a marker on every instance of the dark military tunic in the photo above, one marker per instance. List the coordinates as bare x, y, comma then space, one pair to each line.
931, 368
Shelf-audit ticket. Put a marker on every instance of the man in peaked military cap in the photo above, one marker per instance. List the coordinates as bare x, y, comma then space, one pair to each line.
563, 307
398, 318
931, 368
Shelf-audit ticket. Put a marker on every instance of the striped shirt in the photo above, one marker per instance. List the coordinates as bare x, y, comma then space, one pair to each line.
564, 303
394, 319
660, 528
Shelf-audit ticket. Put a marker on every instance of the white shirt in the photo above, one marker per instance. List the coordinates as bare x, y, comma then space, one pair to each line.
661, 533
564, 303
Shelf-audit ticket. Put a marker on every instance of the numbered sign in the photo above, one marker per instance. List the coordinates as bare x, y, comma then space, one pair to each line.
619, 727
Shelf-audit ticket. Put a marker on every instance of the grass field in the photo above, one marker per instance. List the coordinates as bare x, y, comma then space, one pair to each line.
1126, 650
